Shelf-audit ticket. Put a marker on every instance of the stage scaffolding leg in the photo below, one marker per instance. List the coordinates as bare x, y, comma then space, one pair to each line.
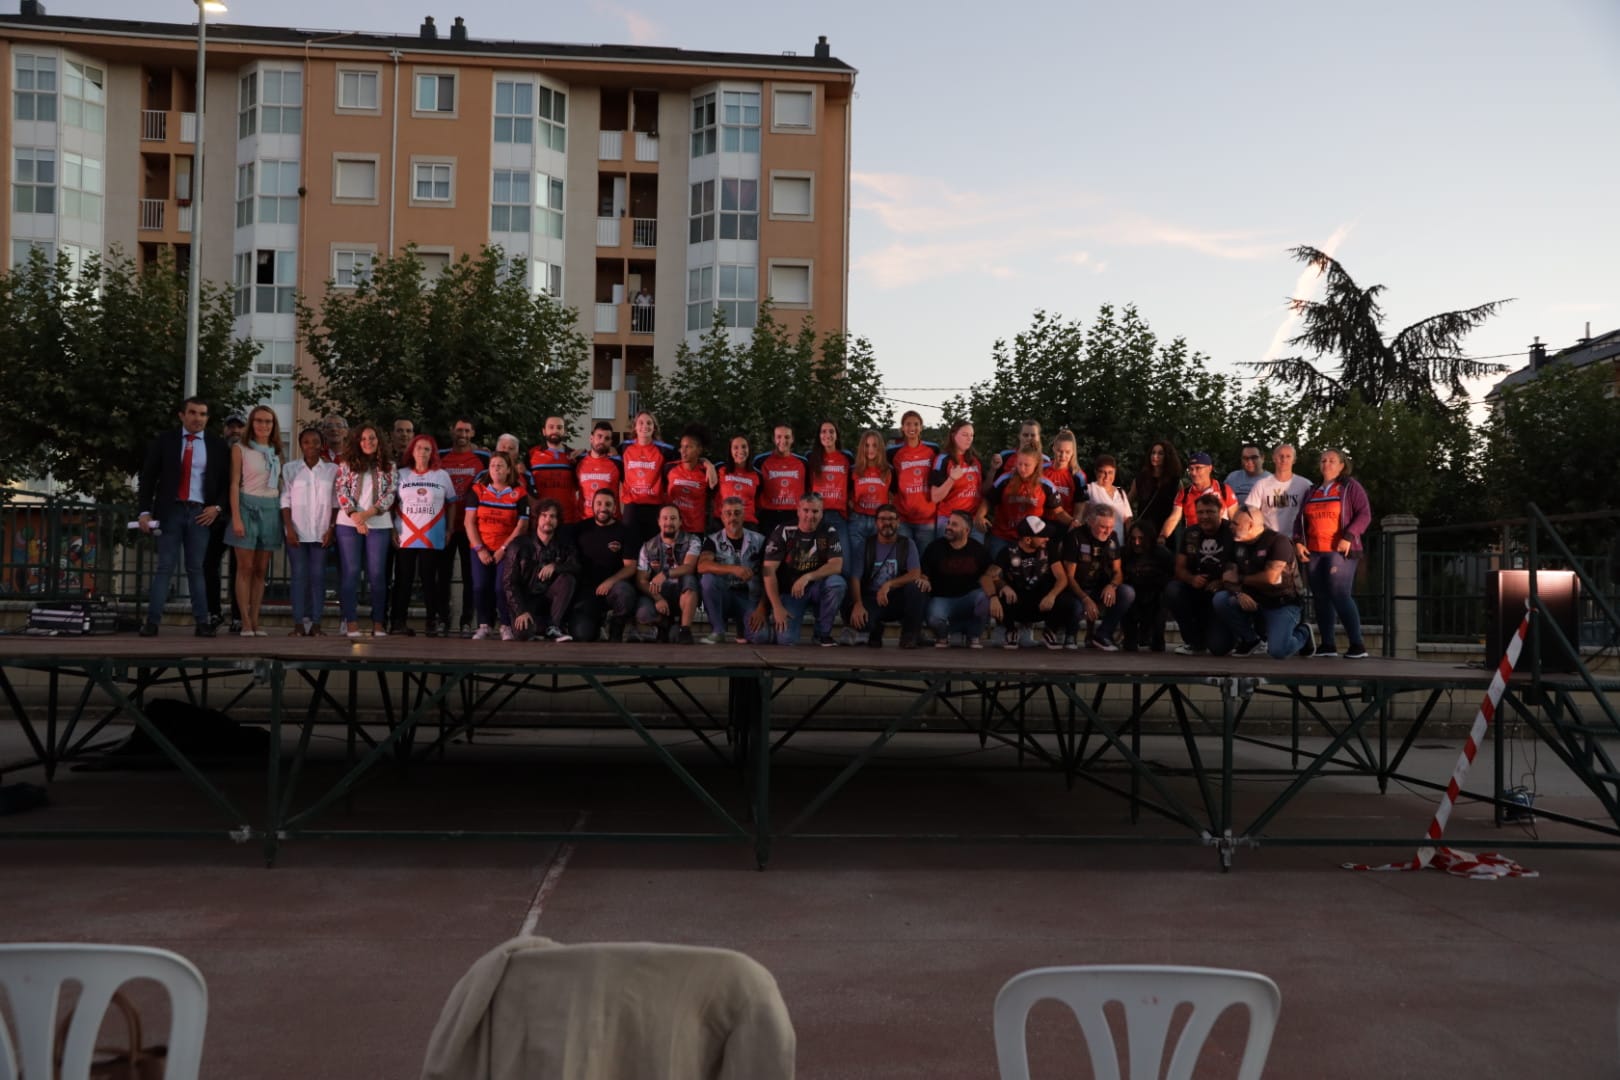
272, 807
761, 736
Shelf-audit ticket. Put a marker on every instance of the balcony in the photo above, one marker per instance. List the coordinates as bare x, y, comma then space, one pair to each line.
643, 232
151, 215
607, 232
154, 125
646, 146
604, 404
607, 318
641, 318
610, 146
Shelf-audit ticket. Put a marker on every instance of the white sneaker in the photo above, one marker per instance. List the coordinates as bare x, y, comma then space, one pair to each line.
1101, 644
507, 634
482, 633
1188, 650
713, 639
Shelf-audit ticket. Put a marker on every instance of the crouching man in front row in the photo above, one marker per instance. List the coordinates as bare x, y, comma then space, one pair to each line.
1260, 589
541, 574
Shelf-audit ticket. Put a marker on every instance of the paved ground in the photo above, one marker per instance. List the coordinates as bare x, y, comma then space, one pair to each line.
889, 954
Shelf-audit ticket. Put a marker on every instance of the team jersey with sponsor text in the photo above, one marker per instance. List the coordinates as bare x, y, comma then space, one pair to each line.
551, 476
423, 503
1069, 488
913, 466
687, 489
1011, 501
496, 510
966, 490
832, 482
870, 489
595, 473
783, 480
744, 484
644, 472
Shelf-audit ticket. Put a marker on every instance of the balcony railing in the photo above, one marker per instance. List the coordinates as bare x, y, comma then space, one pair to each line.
607, 232
610, 146
646, 146
641, 318
154, 125
151, 219
188, 127
607, 318
604, 404
632, 402
643, 232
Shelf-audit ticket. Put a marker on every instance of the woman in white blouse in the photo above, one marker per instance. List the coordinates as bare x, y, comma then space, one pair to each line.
1102, 489
307, 504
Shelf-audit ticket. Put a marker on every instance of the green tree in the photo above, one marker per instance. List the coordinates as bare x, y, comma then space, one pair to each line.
1411, 458
1347, 324
1552, 441
473, 342
93, 366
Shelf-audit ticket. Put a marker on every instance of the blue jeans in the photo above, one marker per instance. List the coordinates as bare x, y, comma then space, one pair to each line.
1283, 626
1331, 577
1109, 619
862, 527
372, 550
827, 594
727, 606
489, 592
180, 530
308, 564
921, 535
965, 614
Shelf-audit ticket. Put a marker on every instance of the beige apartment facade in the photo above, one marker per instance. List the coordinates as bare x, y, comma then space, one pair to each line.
646, 187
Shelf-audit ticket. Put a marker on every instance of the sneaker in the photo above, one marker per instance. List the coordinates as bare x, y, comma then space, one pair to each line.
203, 630
1248, 648
741, 640
1071, 643
1188, 650
236, 626
1327, 654
826, 641
507, 633
716, 638
874, 640
846, 636
482, 633
403, 631
975, 642
942, 642
466, 630
1309, 648
559, 635
1009, 637
149, 629
907, 642
1356, 652
1101, 644
378, 631
1052, 639
683, 636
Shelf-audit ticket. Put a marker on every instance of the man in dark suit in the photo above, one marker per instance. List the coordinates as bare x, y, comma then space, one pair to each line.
183, 486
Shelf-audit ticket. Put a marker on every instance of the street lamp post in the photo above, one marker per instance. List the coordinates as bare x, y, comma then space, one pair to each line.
194, 275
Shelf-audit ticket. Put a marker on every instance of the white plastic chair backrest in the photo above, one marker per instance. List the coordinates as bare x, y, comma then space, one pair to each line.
33, 975
1150, 996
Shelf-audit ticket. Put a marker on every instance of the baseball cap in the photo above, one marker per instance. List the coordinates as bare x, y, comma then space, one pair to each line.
236, 418
1031, 526
1200, 458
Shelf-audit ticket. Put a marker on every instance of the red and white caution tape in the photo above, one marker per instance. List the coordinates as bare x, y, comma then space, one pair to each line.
1490, 865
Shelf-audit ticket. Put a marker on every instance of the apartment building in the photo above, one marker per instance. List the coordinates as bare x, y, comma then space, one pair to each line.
646, 187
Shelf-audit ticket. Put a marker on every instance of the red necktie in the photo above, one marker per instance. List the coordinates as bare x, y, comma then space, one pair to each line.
185, 470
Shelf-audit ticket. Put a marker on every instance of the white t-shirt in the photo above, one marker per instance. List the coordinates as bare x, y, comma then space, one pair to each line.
1121, 503
1279, 500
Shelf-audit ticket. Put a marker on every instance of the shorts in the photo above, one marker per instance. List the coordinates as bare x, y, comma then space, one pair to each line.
261, 520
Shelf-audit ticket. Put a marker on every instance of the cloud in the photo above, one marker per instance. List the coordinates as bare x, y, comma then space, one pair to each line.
1302, 284
642, 30
935, 230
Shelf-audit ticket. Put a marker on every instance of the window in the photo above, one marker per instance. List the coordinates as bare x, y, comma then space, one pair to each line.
433, 181
242, 278
354, 179
433, 263
351, 267
548, 279
357, 90
793, 109
247, 106
700, 298
275, 273
510, 202
81, 188
275, 359
703, 125
244, 195
739, 122
514, 112
553, 119
792, 196
701, 227
738, 285
278, 193
35, 96
739, 210
281, 102
549, 197
790, 283
21, 249
436, 93
33, 187
84, 97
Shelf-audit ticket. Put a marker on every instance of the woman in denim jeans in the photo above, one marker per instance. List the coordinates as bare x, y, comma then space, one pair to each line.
307, 504
366, 483
1327, 537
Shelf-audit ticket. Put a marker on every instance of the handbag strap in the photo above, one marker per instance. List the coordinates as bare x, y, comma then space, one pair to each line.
132, 1027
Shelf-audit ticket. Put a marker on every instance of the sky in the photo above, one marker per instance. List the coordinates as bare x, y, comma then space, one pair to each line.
1063, 155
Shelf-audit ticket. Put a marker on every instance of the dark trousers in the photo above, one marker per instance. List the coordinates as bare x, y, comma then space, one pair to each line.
457, 550
547, 604
591, 610
1026, 611
1144, 622
906, 606
770, 519
641, 522
1192, 609
181, 542
219, 550
410, 564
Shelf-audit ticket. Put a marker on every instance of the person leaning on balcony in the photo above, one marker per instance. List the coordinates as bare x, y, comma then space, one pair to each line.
182, 490
1327, 534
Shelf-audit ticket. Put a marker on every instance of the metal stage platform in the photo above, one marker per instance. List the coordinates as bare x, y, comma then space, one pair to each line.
409, 702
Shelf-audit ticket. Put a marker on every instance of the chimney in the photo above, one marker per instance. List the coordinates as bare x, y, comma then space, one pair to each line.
31, 7
1538, 354
823, 52
458, 30
1588, 335
429, 31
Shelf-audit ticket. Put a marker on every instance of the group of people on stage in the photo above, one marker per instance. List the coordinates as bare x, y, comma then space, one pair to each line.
647, 538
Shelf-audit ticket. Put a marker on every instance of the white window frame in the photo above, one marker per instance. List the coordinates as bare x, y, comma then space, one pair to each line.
448, 254
549, 194
83, 182
705, 124
548, 279
514, 201
357, 260
436, 74
282, 288
37, 155
731, 301
746, 131
287, 105
737, 214
90, 100
553, 129
37, 64
21, 249
342, 158
359, 75
700, 298
519, 119
246, 188
783, 127
434, 163
809, 268
702, 211
264, 363
806, 176
274, 176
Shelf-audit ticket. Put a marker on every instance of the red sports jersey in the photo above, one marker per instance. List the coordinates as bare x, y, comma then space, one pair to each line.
644, 472
1065, 485
832, 482
594, 474
463, 467
1009, 458
871, 490
1011, 501
744, 485
966, 492
496, 510
783, 480
1189, 496
551, 476
912, 467
688, 491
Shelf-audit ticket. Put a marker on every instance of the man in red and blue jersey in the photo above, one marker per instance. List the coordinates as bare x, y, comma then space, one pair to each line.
784, 477
551, 470
463, 461
599, 467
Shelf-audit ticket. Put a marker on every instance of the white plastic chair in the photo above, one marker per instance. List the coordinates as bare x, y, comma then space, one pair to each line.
1150, 996
33, 975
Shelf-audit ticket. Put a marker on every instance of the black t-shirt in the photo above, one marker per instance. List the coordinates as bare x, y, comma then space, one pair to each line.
1093, 559
801, 552
953, 572
602, 551
1028, 572
1251, 558
1207, 555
